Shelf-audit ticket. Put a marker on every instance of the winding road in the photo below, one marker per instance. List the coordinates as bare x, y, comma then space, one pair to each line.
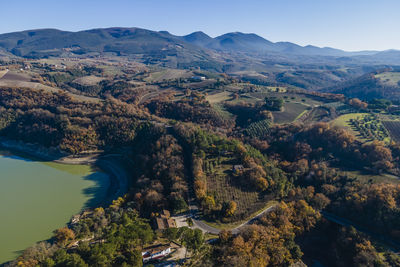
197, 223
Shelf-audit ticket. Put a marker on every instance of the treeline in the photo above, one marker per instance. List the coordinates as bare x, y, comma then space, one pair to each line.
58, 120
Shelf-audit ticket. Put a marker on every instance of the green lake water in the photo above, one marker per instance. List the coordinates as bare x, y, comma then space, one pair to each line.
38, 197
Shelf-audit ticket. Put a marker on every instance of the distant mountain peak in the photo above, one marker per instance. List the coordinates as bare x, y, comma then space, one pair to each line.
198, 38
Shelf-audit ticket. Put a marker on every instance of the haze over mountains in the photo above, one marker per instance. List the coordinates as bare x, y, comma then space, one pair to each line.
47, 42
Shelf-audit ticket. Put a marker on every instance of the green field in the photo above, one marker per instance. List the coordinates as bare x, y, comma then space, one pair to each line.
389, 78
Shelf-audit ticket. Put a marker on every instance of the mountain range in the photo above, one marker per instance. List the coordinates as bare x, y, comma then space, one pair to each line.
47, 42
245, 55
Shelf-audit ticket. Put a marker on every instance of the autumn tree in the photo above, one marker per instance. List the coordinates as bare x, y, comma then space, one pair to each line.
63, 235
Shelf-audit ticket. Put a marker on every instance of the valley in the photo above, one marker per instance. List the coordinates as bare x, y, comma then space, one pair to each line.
212, 147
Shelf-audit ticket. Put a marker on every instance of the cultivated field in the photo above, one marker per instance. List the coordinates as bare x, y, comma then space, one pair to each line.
259, 128
15, 76
364, 126
317, 114
291, 111
222, 186
394, 129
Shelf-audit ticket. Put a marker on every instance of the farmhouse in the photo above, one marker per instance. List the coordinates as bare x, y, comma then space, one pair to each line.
156, 252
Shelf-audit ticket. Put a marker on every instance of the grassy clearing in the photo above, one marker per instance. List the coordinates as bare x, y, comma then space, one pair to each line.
344, 122
287, 96
88, 80
290, 113
389, 78
218, 97
168, 74
372, 178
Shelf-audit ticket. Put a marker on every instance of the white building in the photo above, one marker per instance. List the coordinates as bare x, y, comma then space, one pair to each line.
156, 252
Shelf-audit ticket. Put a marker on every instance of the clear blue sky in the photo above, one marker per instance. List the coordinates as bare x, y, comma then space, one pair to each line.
345, 24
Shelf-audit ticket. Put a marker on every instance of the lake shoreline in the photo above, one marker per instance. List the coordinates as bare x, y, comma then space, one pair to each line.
109, 164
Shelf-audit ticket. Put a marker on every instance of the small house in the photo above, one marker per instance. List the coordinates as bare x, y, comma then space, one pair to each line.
156, 252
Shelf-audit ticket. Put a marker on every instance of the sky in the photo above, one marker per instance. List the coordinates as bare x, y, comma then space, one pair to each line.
350, 25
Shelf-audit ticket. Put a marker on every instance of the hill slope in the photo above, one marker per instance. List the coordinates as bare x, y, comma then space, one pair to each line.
383, 84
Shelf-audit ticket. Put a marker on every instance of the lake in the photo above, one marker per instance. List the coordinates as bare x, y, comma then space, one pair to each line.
38, 197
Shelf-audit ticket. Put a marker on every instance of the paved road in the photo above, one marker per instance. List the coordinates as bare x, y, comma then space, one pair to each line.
194, 214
